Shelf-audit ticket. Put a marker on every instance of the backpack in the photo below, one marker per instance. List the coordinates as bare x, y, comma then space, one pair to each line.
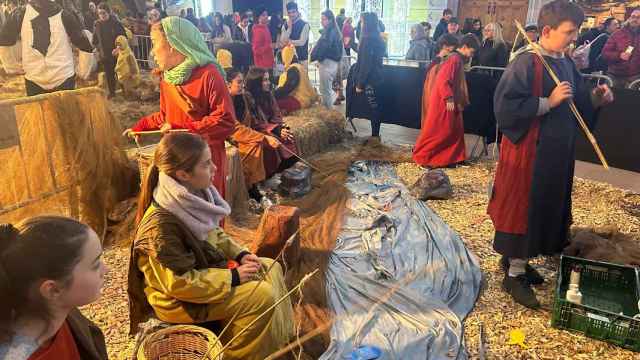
581, 54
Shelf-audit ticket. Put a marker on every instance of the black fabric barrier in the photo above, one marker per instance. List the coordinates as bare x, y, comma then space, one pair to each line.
402, 96
617, 130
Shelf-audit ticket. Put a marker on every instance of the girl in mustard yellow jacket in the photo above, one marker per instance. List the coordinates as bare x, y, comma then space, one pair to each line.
179, 259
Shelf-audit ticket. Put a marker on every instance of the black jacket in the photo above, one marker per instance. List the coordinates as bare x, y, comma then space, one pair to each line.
441, 28
329, 46
492, 56
369, 66
105, 34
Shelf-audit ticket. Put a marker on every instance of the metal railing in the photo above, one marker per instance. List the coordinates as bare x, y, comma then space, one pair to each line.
634, 85
142, 50
598, 77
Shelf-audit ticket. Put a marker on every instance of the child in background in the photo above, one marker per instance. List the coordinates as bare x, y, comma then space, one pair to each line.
530, 204
49, 266
441, 140
127, 69
445, 46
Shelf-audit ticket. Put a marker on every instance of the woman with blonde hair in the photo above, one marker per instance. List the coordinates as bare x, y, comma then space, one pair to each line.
494, 50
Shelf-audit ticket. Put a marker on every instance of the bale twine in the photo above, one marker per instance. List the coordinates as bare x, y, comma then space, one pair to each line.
180, 342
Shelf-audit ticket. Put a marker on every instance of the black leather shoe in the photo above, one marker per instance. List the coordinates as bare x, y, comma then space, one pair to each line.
533, 276
520, 290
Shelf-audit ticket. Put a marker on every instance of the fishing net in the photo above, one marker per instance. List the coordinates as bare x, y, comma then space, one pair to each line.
321, 214
60, 155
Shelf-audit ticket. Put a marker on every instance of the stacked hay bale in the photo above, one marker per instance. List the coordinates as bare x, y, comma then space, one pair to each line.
60, 155
316, 128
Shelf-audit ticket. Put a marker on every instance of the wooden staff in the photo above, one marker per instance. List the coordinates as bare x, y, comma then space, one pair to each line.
278, 302
299, 157
572, 104
153, 132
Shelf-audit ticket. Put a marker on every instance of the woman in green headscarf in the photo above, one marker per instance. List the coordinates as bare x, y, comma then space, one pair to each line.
193, 93
194, 96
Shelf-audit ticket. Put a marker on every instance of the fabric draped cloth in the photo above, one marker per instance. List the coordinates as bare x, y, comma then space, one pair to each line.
186, 39
202, 105
200, 215
441, 139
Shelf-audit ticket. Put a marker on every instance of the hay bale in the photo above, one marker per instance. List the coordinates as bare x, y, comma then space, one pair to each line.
60, 153
316, 128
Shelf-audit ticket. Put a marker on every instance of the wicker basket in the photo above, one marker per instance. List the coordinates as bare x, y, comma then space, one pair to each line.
145, 157
180, 342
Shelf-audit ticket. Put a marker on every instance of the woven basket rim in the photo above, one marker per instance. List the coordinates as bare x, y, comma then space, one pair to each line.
177, 329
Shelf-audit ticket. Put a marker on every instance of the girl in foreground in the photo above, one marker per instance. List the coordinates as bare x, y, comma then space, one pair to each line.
49, 266
179, 268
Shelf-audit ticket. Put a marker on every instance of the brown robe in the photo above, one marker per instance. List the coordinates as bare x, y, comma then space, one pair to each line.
262, 151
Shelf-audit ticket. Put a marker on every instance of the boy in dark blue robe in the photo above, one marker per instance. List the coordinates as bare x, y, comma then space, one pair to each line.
530, 205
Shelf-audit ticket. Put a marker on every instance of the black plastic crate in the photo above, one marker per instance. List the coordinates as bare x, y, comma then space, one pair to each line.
610, 295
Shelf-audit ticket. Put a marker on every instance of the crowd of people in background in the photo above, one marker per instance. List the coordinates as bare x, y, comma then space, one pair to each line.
607, 48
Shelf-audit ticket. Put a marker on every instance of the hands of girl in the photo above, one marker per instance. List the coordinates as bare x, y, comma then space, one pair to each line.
249, 258
165, 128
286, 134
248, 272
130, 134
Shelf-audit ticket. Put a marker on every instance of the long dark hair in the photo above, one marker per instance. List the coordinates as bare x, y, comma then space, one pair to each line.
333, 25
34, 250
217, 30
176, 151
253, 84
370, 25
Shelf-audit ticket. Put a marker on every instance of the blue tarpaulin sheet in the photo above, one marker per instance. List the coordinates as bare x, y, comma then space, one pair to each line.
399, 278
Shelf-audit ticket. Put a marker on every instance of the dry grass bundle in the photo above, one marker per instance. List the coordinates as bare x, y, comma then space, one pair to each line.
316, 128
62, 157
11, 87
604, 244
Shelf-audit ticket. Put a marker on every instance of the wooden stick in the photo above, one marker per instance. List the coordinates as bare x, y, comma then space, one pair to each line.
153, 132
283, 298
299, 157
308, 336
572, 104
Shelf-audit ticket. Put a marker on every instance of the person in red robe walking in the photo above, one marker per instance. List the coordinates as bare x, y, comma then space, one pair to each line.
193, 92
261, 42
441, 140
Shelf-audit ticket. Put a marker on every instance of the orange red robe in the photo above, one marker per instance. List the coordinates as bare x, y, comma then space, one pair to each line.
202, 105
441, 140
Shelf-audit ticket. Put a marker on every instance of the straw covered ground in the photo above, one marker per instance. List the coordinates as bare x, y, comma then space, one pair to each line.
595, 204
